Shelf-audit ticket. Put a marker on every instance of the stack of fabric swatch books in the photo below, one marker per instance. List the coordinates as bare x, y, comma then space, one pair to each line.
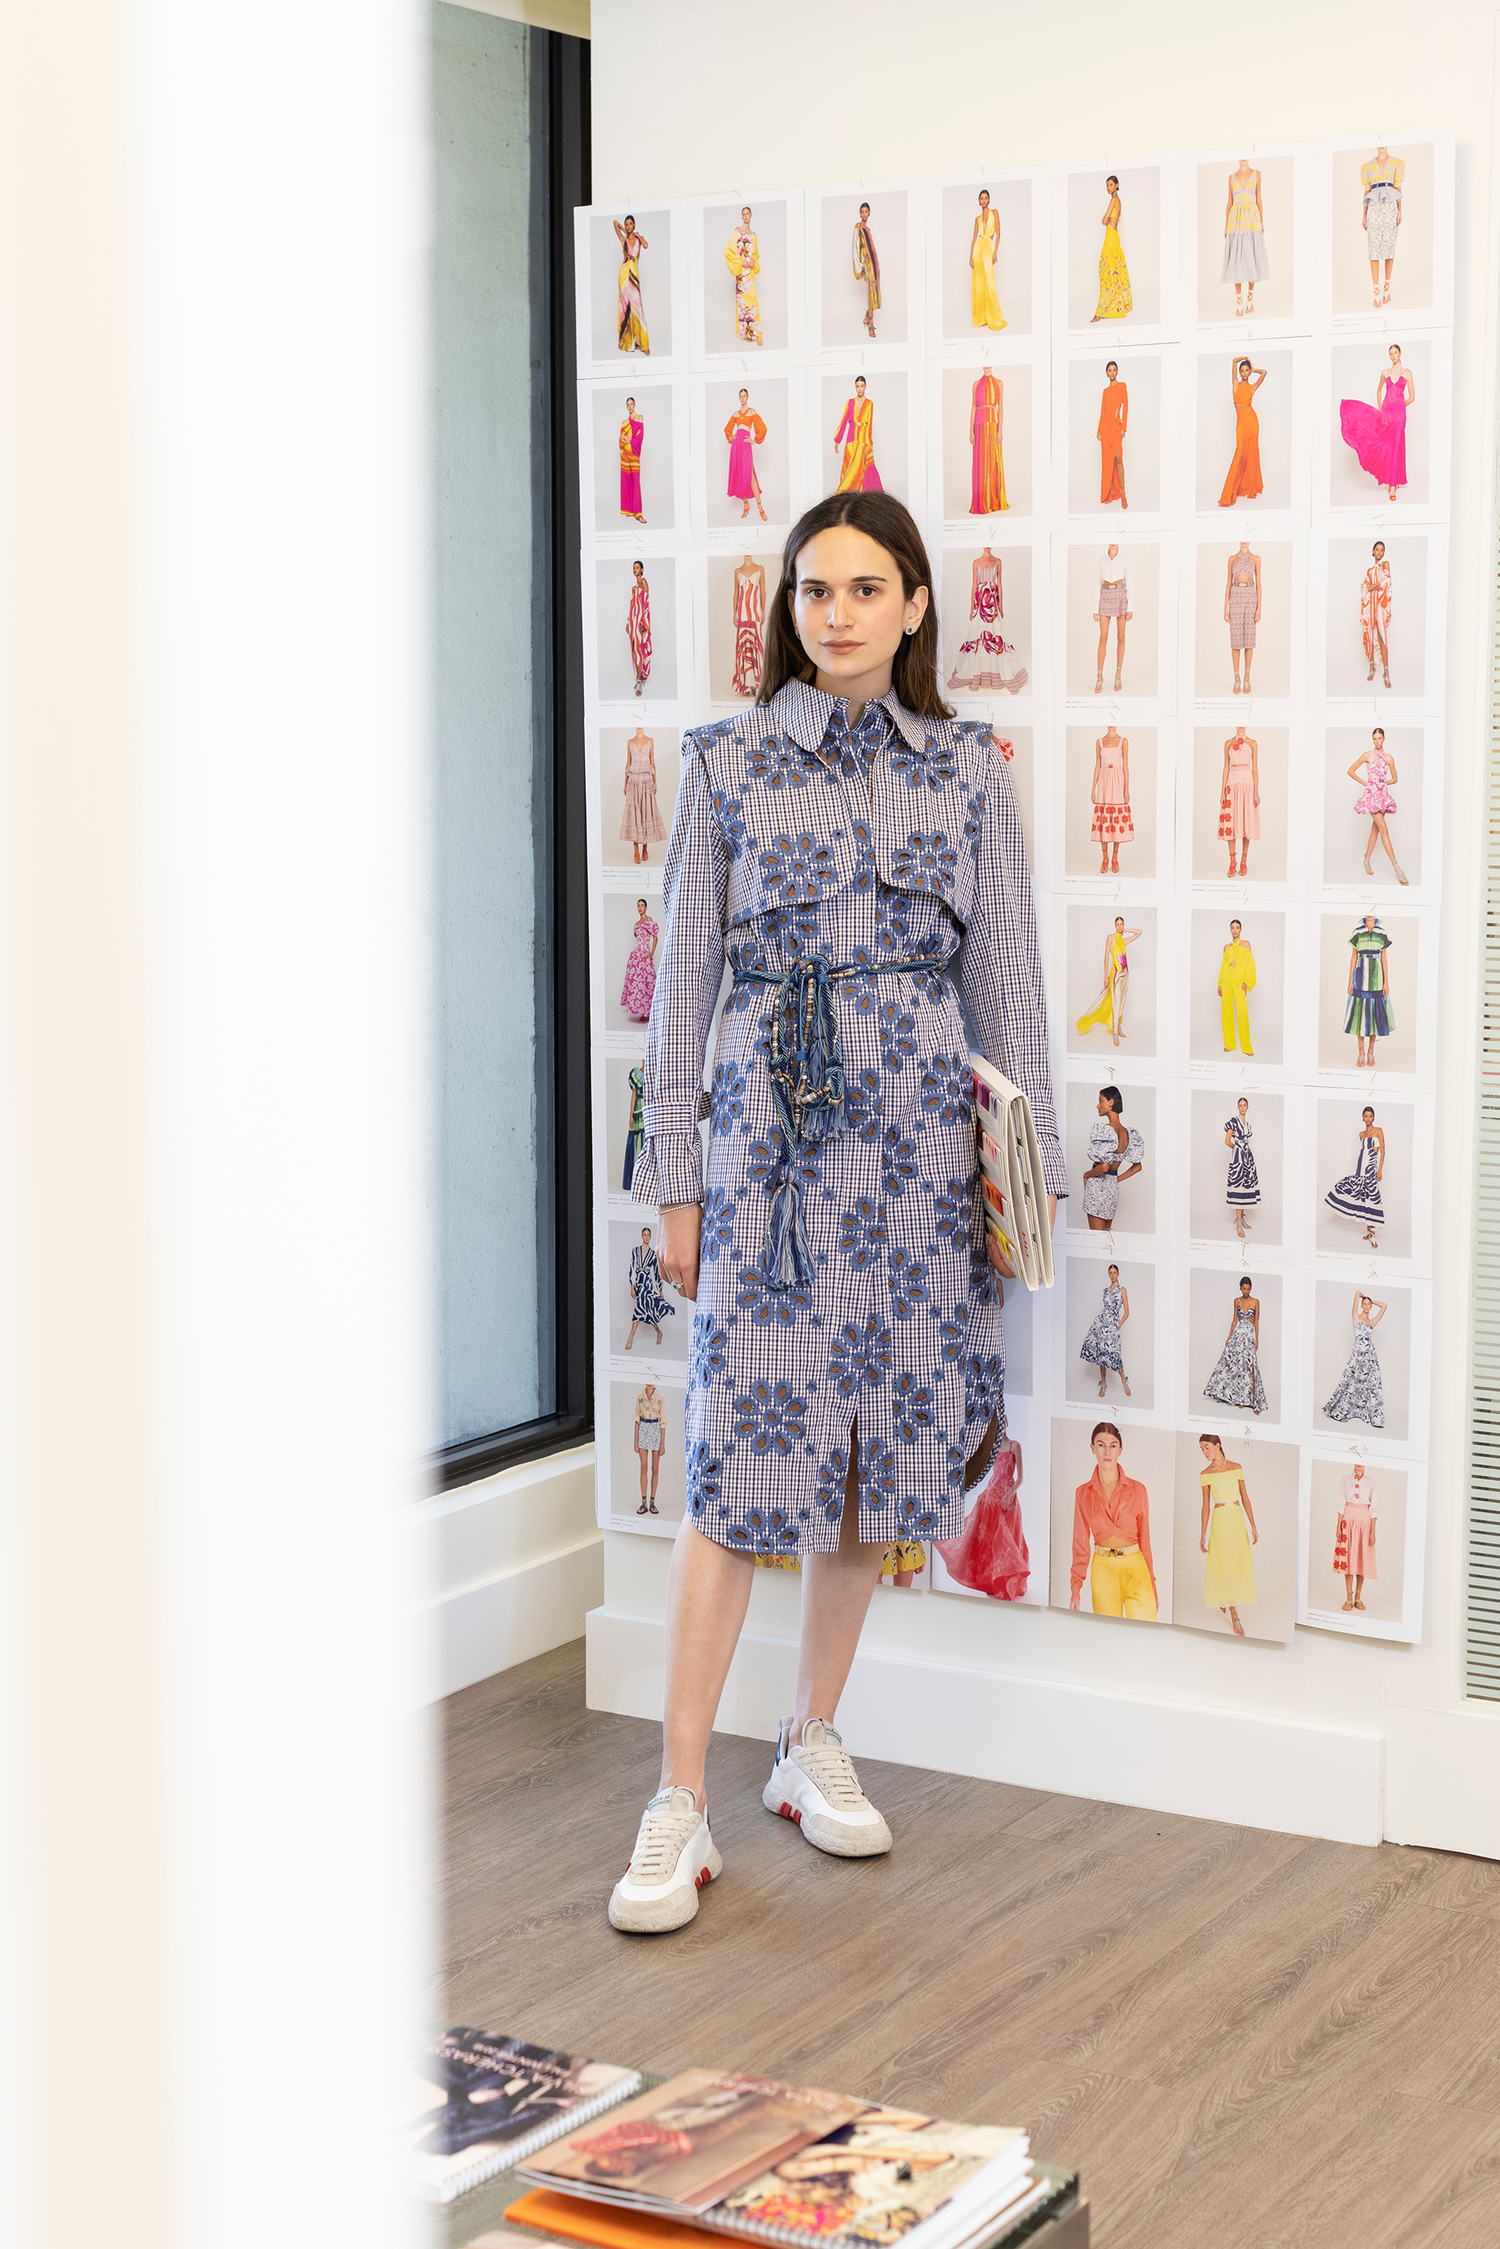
711, 2153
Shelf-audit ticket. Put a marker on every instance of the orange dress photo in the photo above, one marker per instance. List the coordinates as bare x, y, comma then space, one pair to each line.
1244, 480
1114, 417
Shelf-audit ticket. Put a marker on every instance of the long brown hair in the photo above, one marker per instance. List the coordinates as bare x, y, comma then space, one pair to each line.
914, 673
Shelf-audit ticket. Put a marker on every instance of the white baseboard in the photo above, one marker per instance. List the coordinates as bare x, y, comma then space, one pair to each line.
513, 1564
1168, 1757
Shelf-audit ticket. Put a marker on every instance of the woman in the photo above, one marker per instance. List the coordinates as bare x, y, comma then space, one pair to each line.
640, 823
1113, 603
987, 661
1112, 1514
632, 438
1226, 1534
1380, 184
1370, 1013
633, 336
639, 988
1239, 798
635, 1124
1104, 1345
749, 623
1242, 1185
1354, 1544
1109, 1008
1114, 420
1111, 1144
1242, 609
1114, 274
1236, 983
638, 626
1357, 1194
856, 433
743, 431
1377, 434
1244, 481
1235, 1380
984, 249
991, 1556
1109, 794
1375, 799
647, 1440
742, 256
903, 1562
648, 1307
1245, 260
1359, 1394
987, 445
828, 1410
867, 267
1375, 612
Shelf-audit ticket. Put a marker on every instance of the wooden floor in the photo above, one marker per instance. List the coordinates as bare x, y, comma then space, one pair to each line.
1237, 2037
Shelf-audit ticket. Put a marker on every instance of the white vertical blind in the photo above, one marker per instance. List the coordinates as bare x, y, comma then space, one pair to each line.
1482, 1605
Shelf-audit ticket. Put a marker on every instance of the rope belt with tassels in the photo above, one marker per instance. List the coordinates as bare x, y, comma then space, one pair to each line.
807, 1086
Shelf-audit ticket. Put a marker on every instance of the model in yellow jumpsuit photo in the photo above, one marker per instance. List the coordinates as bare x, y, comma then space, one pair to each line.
1236, 983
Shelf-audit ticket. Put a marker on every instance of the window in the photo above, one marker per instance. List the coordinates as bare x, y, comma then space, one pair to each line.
511, 1225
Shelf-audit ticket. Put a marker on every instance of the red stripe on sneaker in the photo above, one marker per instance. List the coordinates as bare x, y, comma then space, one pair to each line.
797, 1816
785, 1810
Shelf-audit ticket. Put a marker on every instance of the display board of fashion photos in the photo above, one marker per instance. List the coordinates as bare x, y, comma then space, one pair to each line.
1177, 433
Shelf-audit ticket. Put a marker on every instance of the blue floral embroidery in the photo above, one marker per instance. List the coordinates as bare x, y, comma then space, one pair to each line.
915, 1519
703, 1473
727, 1101
953, 1333
898, 1160
777, 761
862, 1234
766, 1530
953, 1210
718, 1226
860, 1354
912, 1402
898, 1035
833, 1480
893, 930
770, 1418
768, 1307
926, 862
908, 1283
864, 878
863, 1104
877, 1474
933, 765
946, 1083
729, 813
800, 866
710, 1350
984, 1386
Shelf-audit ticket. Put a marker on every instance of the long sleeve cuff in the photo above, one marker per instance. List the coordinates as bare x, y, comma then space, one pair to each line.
669, 1169
1054, 1169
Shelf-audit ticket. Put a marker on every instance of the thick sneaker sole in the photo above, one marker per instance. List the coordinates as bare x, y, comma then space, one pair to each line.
665, 1909
838, 1839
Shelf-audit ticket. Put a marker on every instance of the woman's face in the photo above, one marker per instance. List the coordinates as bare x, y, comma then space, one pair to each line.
1243, 368
984, 199
640, 570
849, 608
1106, 1449
745, 214
1378, 550
1114, 1272
1243, 1106
1112, 368
1395, 355
1104, 1107
1369, 921
640, 908
744, 398
645, 1235
1244, 1288
1209, 1449
1234, 929
1378, 737
1364, 1303
1119, 921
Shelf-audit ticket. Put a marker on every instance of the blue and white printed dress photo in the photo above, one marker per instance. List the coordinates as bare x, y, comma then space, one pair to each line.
839, 872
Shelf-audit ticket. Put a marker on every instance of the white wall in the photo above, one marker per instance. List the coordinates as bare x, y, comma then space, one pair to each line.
912, 93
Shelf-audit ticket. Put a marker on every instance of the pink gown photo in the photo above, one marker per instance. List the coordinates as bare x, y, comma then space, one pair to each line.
640, 973
989, 1555
1378, 434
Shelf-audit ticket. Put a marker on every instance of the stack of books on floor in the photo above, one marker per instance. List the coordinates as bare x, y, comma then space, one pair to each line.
593, 2160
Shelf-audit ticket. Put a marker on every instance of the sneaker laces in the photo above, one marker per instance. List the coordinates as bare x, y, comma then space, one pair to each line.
828, 1765
666, 1824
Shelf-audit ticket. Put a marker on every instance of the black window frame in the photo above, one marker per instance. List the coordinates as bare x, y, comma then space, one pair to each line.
560, 143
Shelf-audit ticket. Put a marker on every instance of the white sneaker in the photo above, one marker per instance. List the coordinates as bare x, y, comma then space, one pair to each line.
674, 1857
816, 1785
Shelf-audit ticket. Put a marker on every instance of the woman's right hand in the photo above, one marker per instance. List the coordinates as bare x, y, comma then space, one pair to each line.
681, 1226
1074, 1602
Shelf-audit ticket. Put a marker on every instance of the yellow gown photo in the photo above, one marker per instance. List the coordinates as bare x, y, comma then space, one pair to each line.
1114, 273
984, 296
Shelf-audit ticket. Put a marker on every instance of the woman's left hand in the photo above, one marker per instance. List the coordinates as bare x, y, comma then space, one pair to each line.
1007, 1272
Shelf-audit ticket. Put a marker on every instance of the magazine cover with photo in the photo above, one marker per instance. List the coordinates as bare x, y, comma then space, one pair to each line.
1113, 1510
625, 1120
1109, 992
1244, 452
1003, 1552
862, 436
1362, 1360
1246, 218
1241, 796
1109, 804
1114, 607
645, 1317
861, 259
1382, 228
639, 770
631, 949
636, 622
985, 254
634, 458
1234, 1538
987, 653
630, 284
1234, 1337
1369, 994
1361, 1514
1115, 432
1366, 1152
985, 440
1237, 1166
1109, 1332
1375, 626
747, 447
739, 585
1242, 616
1373, 778
1380, 417
647, 1478
1109, 1135
1236, 985
747, 249
1113, 247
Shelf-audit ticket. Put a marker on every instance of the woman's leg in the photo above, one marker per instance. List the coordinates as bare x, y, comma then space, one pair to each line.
1098, 1225
631, 1337
1234, 657
837, 1590
1103, 647
644, 1457
708, 1592
1119, 648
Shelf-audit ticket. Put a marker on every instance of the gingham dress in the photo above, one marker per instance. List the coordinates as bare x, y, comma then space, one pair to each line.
796, 837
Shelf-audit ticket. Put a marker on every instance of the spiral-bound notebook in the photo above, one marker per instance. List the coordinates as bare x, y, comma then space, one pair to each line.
483, 2103
1011, 1184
